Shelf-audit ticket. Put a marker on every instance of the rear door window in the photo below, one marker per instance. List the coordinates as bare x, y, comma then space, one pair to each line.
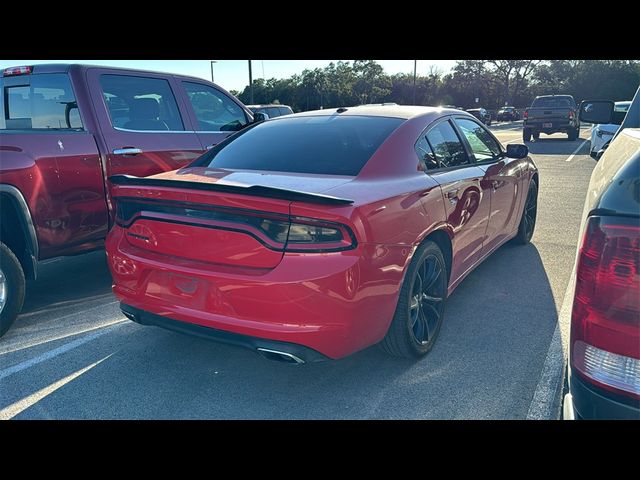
447, 146
140, 103
273, 112
288, 111
324, 145
43, 102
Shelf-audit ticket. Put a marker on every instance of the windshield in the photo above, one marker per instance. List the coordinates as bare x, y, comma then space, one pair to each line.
329, 145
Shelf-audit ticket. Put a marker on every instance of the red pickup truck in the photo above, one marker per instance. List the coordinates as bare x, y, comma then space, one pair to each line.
64, 129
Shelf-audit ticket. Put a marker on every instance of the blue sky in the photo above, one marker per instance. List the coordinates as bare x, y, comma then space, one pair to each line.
233, 74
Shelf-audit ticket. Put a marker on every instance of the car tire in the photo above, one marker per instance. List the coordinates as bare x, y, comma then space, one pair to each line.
526, 134
420, 310
12, 288
572, 134
529, 213
536, 136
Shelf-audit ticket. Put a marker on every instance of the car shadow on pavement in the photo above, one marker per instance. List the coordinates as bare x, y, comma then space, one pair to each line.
486, 363
67, 284
558, 145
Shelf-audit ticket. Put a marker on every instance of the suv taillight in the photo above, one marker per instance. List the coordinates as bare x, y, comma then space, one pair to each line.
605, 322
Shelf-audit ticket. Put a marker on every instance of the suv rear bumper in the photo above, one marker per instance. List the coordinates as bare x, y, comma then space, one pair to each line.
589, 403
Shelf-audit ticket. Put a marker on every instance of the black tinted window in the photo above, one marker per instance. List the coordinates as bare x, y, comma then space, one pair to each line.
447, 146
140, 103
47, 102
215, 111
425, 153
552, 102
325, 145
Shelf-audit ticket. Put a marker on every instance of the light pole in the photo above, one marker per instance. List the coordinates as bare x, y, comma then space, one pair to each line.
250, 84
212, 62
415, 67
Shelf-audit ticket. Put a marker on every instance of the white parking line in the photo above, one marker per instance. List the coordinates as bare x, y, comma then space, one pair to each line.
55, 352
576, 151
15, 408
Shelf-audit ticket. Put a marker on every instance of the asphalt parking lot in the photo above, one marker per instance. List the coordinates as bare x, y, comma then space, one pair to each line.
72, 354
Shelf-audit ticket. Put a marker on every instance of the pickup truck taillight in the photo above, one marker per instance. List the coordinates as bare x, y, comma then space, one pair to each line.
571, 114
605, 322
525, 115
12, 71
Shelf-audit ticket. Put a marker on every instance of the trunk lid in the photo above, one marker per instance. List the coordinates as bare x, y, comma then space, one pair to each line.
233, 218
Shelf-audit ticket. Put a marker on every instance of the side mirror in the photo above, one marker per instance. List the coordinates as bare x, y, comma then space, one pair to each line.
517, 150
596, 111
260, 117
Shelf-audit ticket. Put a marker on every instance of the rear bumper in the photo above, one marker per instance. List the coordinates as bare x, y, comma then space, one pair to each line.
297, 353
556, 126
334, 303
585, 402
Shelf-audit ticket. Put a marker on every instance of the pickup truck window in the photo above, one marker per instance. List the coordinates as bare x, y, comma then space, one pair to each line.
43, 102
140, 103
551, 102
214, 111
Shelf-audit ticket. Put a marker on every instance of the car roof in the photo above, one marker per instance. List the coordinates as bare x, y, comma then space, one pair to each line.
394, 111
263, 105
41, 68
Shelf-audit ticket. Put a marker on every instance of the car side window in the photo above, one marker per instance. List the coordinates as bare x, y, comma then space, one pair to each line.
285, 111
273, 112
483, 146
447, 146
425, 154
140, 103
215, 111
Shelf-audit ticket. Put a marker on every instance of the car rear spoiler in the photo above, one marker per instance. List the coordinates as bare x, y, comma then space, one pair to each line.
254, 190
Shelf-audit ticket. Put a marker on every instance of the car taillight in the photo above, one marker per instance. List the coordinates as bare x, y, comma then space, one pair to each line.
308, 234
571, 114
11, 71
605, 322
525, 115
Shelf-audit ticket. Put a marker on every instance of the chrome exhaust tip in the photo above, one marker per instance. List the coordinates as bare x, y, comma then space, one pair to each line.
280, 356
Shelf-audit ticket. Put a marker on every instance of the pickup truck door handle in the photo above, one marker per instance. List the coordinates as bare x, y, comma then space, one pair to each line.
209, 147
127, 151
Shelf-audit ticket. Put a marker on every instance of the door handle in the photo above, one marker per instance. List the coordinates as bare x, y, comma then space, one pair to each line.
209, 147
452, 195
495, 184
127, 151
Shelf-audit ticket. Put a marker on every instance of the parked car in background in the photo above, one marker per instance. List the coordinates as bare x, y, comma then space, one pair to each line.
508, 114
271, 110
318, 234
481, 114
601, 134
604, 346
550, 114
64, 129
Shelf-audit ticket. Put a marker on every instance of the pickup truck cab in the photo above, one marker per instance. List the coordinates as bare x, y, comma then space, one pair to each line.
64, 129
551, 114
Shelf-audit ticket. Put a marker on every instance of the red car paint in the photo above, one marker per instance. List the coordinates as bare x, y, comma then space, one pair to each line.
334, 302
57, 178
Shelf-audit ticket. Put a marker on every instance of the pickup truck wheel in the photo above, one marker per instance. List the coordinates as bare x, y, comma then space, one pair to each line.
12, 287
572, 134
536, 136
526, 134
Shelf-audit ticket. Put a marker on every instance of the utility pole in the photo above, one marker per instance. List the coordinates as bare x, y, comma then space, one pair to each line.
212, 62
415, 66
250, 84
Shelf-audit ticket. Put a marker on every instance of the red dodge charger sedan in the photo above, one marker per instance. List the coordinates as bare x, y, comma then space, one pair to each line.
315, 235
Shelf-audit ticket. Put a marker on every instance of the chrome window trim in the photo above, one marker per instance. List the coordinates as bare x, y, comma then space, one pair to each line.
152, 131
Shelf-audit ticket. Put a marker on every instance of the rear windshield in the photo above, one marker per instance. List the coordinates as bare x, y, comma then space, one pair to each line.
550, 102
329, 145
